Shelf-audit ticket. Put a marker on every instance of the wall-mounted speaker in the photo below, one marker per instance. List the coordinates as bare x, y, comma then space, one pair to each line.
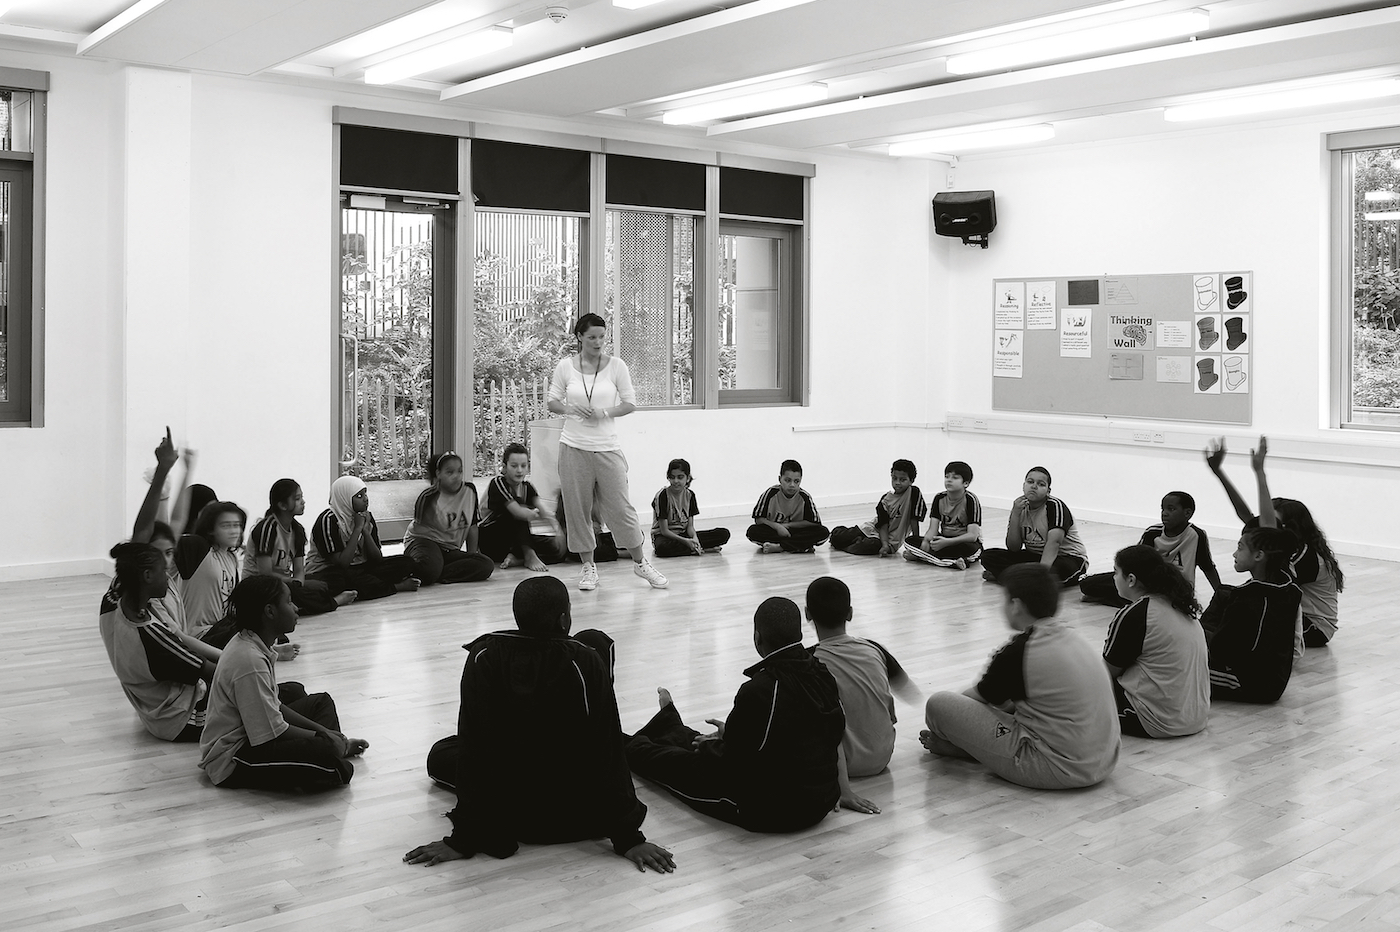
968, 215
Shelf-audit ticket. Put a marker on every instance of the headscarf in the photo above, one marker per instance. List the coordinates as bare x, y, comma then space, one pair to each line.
342, 491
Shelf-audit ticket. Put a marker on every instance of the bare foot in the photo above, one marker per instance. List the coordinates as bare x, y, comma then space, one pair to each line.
510, 560
534, 564
346, 597
925, 737
355, 746
410, 584
663, 696
286, 651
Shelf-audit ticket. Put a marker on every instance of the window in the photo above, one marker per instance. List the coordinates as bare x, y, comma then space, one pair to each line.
1366, 274
21, 158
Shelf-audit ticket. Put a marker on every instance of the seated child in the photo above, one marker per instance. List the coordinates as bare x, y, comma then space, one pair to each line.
260, 736
512, 506
865, 674
771, 766
207, 565
1180, 542
277, 547
1039, 530
785, 517
532, 699
897, 516
1043, 714
1156, 650
1250, 628
345, 551
441, 538
673, 512
1313, 566
955, 524
163, 671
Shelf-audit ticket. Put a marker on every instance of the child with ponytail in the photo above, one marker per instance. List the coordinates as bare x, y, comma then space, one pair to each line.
277, 547
1155, 650
1250, 628
441, 538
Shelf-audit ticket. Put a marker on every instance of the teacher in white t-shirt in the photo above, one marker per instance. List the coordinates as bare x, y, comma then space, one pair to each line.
591, 388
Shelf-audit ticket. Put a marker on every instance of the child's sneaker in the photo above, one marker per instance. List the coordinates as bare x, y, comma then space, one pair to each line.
588, 579
648, 572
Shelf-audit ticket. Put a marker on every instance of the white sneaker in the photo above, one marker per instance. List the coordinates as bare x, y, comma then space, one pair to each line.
648, 572
588, 579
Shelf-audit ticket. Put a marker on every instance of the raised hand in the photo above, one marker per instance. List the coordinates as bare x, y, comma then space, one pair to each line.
166, 454
1215, 453
1259, 454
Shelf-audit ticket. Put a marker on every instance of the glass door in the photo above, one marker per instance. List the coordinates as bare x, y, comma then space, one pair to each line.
392, 259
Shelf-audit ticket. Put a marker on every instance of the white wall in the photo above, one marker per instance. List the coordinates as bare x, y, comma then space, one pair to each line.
192, 282
1252, 197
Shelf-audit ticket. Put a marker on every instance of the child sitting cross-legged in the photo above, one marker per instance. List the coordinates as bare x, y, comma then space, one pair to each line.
1155, 649
897, 516
785, 517
954, 535
1039, 530
673, 512
1181, 544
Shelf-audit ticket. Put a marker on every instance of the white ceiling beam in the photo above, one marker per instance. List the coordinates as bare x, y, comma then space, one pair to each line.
1177, 51
126, 18
689, 27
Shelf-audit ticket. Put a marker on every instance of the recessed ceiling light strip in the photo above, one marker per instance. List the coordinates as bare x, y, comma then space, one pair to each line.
1291, 99
1082, 43
779, 99
447, 53
970, 137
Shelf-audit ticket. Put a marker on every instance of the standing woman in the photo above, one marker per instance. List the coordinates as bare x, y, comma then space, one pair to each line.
591, 389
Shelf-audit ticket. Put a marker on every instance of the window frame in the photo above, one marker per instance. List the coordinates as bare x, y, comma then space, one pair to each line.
791, 326
25, 357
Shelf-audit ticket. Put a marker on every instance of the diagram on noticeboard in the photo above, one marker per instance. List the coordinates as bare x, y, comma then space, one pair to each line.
1221, 341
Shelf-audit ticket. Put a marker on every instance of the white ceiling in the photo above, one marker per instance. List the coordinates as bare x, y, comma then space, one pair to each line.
882, 60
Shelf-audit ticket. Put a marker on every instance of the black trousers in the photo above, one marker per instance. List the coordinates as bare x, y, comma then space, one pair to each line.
371, 580
287, 763
670, 547
801, 539
1070, 569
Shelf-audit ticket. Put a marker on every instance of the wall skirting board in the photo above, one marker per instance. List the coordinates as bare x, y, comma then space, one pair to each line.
21, 571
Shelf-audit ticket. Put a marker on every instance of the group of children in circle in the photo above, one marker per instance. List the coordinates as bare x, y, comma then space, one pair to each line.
193, 632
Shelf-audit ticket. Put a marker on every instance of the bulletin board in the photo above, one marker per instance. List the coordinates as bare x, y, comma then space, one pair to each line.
1175, 347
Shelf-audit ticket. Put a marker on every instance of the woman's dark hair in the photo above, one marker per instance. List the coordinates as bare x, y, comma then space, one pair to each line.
200, 495
512, 449
588, 322
907, 467
134, 559
162, 531
209, 516
1294, 516
1277, 544
683, 465
436, 461
1158, 577
281, 490
251, 596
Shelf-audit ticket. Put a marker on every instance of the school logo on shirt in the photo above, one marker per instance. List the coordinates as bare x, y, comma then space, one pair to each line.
1001, 731
1031, 535
455, 519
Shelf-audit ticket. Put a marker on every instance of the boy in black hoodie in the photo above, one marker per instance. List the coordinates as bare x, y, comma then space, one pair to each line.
771, 765
516, 686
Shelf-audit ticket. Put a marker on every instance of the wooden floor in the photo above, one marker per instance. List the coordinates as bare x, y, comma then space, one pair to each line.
1276, 817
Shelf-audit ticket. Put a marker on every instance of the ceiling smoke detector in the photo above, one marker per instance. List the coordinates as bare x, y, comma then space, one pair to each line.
556, 12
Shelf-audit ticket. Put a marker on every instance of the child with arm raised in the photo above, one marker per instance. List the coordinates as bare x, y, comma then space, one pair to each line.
1250, 628
673, 512
442, 537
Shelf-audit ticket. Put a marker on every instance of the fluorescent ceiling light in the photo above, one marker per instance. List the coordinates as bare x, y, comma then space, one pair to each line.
1381, 195
1283, 100
633, 4
752, 103
438, 56
1384, 215
1082, 43
977, 139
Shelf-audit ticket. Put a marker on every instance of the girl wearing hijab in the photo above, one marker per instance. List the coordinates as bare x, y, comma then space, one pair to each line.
345, 552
